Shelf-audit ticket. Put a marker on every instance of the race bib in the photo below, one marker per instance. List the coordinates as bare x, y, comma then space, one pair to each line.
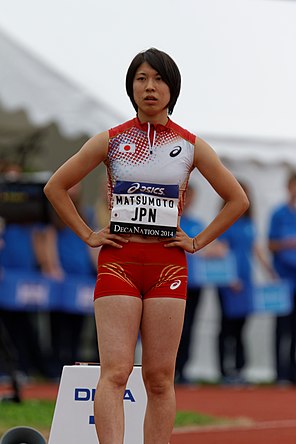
144, 208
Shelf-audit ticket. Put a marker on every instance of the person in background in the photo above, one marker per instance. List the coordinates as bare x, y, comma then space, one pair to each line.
8, 354
66, 255
282, 244
240, 240
142, 271
190, 226
18, 252
215, 249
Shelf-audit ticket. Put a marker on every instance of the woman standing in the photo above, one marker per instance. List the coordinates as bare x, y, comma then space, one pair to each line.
142, 271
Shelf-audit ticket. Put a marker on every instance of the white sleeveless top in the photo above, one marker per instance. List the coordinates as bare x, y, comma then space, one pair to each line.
150, 154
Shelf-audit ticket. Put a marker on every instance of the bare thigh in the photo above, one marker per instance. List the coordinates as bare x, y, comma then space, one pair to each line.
161, 329
118, 320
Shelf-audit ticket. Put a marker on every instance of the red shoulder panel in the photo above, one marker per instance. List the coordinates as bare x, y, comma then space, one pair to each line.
121, 128
190, 137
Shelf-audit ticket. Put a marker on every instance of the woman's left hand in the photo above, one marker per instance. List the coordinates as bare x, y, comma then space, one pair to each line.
182, 241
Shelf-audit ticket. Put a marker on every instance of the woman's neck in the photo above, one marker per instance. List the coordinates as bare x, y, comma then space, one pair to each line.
161, 118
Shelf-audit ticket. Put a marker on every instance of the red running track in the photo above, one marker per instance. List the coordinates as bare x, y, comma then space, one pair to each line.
267, 415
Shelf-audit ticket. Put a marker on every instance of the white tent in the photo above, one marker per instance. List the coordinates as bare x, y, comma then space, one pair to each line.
31, 84
262, 150
235, 56
46, 95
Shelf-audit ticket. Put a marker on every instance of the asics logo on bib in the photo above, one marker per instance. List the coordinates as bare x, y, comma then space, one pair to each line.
145, 189
175, 285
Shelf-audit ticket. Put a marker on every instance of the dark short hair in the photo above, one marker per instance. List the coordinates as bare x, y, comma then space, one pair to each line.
164, 65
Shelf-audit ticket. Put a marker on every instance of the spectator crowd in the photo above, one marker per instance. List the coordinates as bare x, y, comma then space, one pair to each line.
41, 339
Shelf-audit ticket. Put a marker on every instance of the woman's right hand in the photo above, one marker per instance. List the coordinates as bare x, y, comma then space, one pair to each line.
104, 237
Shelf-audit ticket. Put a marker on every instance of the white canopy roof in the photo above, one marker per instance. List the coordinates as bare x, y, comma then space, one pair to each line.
46, 95
266, 151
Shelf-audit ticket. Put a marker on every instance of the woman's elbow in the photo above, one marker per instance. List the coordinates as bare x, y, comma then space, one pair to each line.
244, 203
48, 190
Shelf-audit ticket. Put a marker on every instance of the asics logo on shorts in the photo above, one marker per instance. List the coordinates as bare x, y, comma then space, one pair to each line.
175, 285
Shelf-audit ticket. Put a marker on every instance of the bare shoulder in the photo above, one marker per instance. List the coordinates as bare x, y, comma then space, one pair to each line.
96, 146
204, 152
90, 155
212, 168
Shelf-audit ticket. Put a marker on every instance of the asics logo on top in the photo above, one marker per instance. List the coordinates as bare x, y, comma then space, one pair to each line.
144, 189
175, 284
127, 147
177, 150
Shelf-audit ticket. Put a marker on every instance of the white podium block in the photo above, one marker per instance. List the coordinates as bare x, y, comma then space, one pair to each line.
73, 420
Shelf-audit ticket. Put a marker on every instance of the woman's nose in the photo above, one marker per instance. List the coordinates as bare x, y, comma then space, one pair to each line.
150, 85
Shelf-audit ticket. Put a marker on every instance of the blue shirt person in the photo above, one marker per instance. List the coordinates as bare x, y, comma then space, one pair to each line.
282, 244
18, 254
69, 257
241, 240
190, 225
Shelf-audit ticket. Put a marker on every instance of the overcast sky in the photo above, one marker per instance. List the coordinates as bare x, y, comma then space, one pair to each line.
237, 57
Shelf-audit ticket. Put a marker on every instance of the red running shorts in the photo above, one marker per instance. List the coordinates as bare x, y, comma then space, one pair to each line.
143, 270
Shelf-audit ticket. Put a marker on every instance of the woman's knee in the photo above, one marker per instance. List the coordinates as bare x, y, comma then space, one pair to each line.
116, 376
158, 381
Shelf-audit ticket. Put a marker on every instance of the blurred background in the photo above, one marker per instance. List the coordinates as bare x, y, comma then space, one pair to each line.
62, 80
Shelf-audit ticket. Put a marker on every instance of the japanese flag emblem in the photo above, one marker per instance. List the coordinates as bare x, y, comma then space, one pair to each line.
127, 147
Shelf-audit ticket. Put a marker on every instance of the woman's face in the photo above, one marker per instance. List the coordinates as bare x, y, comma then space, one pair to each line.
151, 94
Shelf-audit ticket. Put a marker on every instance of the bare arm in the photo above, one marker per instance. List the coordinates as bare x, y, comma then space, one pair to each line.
225, 184
263, 260
281, 244
92, 153
45, 247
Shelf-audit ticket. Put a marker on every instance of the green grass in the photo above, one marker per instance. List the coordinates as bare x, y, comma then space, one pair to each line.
35, 413
185, 419
39, 414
